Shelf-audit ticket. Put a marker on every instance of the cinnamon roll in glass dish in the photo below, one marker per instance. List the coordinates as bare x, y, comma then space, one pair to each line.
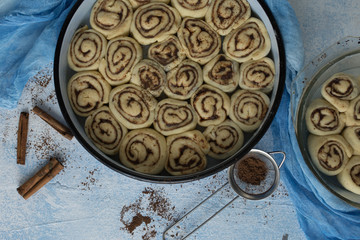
86, 49
222, 72
143, 150
200, 42
250, 41
191, 8
352, 136
122, 54
104, 130
353, 113
112, 18
132, 106
186, 153
154, 22
87, 91
349, 178
150, 76
226, 15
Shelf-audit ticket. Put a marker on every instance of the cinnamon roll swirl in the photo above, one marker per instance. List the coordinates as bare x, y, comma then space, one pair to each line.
104, 130
122, 54
339, 89
226, 15
329, 153
132, 106
183, 80
353, 113
112, 18
150, 76
257, 75
87, 91
200, 42
349, 178
186, 153
248, 109
168, 53
323, 119
174, 116
154, 22
191, 8
211, 105
222, 72
352, 136
137, 3
224, 139
144, 150
87, 48
250, 41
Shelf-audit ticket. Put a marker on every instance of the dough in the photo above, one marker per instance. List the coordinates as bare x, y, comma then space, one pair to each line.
349, 178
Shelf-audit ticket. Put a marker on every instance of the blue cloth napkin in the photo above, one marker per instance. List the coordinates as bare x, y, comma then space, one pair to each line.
29, 31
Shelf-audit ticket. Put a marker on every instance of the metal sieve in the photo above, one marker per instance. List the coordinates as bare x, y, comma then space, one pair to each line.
212, 205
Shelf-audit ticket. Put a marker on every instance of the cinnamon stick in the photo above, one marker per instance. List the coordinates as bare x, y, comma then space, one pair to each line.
22, 137
63, 130
42, 177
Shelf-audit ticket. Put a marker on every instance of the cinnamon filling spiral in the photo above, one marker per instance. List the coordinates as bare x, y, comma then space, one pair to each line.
174, 116
191, 8
226, 15
105, 132
132, 106
248, 42
355, 174
87, 91
183, 80
122, 55
339, 87
168, 53
325, 119
154, 22
144, 150
112, 18
200, 41
86, 49
357, 110
257, 75
331, 155
211, 105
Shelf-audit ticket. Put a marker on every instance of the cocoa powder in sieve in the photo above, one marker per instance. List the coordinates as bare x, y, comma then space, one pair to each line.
252, 170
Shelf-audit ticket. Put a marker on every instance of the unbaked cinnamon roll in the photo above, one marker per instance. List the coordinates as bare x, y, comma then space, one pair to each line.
248, 109
224, 139
174, 116
104, 130
191, 8
122, 54
183, 80
112, 18
349, 178
150, 76
339, 90
137, 3
87, 48
154, 22
222, 72
353, 113
226, 15
257, 75
87, 91
329, 153
200, 42
186, 153
168, 53
352, 136
144, 150
250, 41
132, 106
323, 119
211, 105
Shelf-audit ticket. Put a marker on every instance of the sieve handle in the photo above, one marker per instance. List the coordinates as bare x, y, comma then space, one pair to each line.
201, 213
283, 159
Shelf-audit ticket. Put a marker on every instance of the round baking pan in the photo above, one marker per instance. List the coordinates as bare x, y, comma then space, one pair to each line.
79, 16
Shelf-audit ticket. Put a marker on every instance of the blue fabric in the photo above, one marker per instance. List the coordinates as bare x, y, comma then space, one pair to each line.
321, 215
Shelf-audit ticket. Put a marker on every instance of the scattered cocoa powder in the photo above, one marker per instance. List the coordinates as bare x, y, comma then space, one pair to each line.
252, 170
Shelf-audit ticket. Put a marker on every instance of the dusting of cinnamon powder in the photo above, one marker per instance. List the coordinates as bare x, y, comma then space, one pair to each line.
252, 170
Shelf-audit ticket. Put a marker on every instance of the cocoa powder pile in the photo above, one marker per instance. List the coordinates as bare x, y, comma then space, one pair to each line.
252, 170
